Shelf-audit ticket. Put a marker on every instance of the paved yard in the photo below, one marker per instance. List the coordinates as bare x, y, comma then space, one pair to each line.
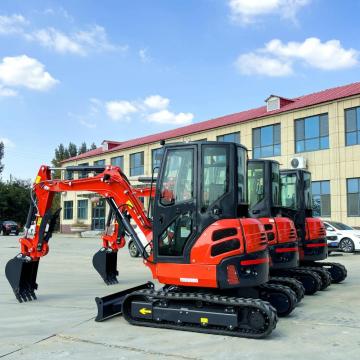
60, 324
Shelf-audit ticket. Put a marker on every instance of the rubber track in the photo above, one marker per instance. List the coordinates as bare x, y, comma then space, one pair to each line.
323, 273
226, 301
340, 267
285, 290
292, 283
293, 272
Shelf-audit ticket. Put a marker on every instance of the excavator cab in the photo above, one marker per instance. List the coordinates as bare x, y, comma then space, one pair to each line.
296, 200
196, 187
265, 205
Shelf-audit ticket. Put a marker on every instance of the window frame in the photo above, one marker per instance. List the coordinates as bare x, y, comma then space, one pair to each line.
66, 209
131, 169
121, 157
85, 208
220, 138
321, 194
358, 197
304, 139
357, 123
273, 145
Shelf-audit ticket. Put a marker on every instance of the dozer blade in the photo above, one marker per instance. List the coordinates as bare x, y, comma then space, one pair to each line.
21, 274
105, 263
111, 305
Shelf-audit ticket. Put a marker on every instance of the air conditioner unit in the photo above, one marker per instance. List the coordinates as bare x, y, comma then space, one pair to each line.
298, 163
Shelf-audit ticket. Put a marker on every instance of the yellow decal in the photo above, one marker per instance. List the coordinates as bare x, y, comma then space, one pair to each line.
38, 179
145, 311
204, 320
129, 203
39, 221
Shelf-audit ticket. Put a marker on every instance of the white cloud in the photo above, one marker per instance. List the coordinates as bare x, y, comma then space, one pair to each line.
7, 142
153, 108
56, 40
156, 102
87, 123
79, 43
329, 55
252, 63
25, 71
144, 55
120, 110
168, 117
279, 59
12, 24
6, 92
249, 11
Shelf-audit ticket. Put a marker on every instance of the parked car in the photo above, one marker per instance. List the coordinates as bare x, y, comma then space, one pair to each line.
10, 227
348, 238
332, 241
133, 251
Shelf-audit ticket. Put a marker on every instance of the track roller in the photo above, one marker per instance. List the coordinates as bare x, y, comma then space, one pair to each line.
323, 273
293, 284
337, 271
105, 263
200, 312
309, 279
282, 298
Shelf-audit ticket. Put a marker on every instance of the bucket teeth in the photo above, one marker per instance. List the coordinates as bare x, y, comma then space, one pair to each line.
105, 263
21, 274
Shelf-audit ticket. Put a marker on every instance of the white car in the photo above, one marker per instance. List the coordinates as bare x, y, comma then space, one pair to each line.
348, 239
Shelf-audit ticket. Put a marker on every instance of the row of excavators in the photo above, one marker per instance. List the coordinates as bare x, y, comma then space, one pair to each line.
232, 241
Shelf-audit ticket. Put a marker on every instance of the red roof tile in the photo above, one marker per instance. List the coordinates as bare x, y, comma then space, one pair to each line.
248, 115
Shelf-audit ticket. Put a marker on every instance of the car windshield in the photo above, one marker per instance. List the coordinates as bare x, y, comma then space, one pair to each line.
340, 226
9, 222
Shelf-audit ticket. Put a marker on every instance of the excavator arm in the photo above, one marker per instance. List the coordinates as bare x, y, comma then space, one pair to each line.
110, 183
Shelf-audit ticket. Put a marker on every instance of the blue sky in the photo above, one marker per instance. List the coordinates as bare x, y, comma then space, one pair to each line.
87, 71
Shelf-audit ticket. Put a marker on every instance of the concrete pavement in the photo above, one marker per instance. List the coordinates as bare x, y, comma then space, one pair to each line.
60, 324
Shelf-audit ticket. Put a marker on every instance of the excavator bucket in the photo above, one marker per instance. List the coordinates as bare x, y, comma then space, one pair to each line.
105, 263
111, 305
21, 274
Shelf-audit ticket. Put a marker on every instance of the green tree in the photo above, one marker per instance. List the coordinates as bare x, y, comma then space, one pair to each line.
82, 148
1, 156
72, 148
15, 200
93, 146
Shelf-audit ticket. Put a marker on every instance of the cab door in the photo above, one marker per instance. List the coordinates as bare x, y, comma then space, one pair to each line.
175, 207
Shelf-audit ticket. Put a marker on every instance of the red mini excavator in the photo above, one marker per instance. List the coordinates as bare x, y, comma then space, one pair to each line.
297, 205
265, 205
201, 244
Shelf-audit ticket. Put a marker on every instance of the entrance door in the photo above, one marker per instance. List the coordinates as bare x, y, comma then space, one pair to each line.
98, 215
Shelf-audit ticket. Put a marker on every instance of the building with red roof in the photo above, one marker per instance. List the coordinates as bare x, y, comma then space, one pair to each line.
321, 130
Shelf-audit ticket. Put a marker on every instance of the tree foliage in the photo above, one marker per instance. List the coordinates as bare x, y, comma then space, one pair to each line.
1, 156
15, 200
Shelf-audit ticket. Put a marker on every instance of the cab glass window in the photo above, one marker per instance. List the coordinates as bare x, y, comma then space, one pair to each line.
215, 168
178, 177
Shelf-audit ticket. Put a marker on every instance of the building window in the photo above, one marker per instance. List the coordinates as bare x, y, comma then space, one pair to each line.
312, 133
118, 161
232, 137
266, 141
137, 164
321, 198
353, 197
69, 175
82, 211
99, 163
352, 126
83, 174
156, 155
68, 210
